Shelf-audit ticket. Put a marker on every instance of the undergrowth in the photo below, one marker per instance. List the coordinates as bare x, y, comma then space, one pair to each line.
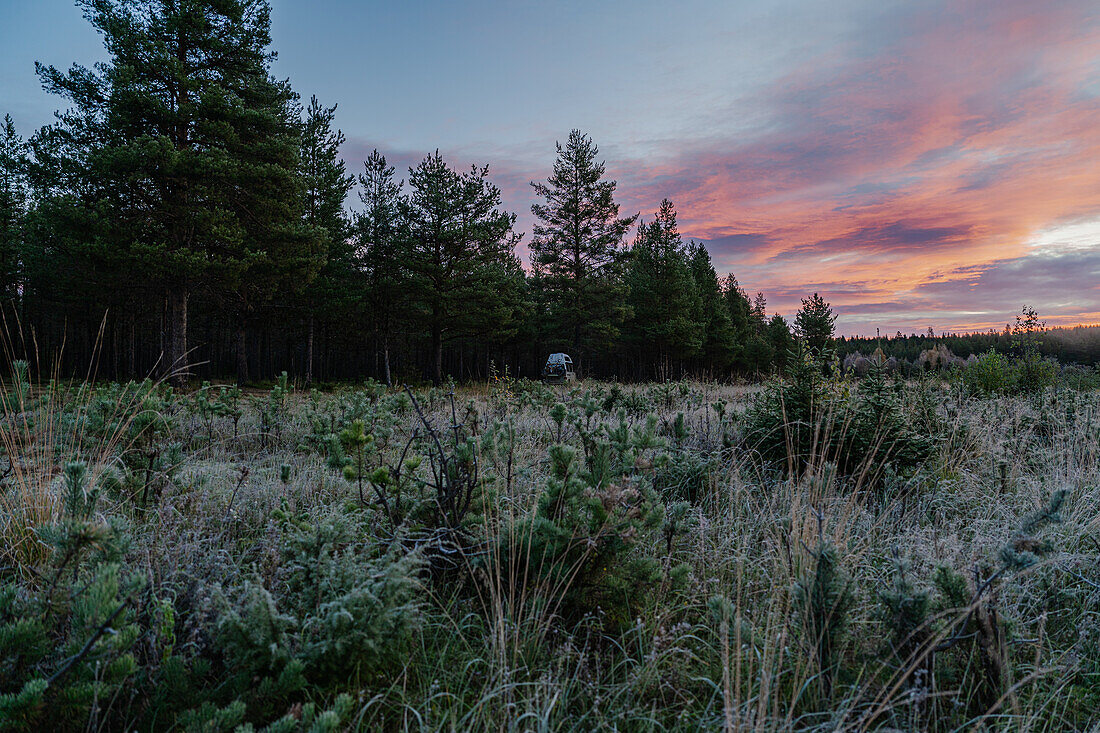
819, 553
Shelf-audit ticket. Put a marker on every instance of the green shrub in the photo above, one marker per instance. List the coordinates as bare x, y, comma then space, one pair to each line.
1079, 377
802, 419
685, 475
904, 612
337, 610
988, 375
579, 549
1033, 374
783, 425
823, 599
71, 635
880, 430
993, 373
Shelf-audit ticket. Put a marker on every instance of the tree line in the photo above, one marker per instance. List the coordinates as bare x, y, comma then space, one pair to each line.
1075, 344
186, 209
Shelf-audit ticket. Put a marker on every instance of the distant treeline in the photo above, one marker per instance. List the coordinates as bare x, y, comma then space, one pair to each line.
1077, 344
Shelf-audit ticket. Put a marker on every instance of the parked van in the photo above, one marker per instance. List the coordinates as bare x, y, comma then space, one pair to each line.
558, 370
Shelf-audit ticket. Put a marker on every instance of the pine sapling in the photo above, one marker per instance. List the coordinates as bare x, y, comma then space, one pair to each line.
823, 599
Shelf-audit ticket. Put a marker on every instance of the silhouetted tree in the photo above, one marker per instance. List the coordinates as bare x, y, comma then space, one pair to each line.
663, 298
462, 254
182, 154
718, 336
382, 249
575, 249
814, 324
326, 185
13, 205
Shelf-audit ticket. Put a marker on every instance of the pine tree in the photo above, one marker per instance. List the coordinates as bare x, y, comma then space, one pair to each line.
575, 248
718, 339
461, 256
780, 339
758, 355
663, 297
183, 154
814, 324
738, 306
13, 205
823, 599
326, 187
381, 248
758, 313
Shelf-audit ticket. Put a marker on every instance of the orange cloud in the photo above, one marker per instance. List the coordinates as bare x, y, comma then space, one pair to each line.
968, 130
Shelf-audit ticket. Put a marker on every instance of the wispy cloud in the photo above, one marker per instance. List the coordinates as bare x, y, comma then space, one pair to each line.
948, 138
905, 172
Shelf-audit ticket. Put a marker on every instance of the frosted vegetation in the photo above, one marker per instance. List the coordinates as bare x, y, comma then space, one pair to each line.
808, 554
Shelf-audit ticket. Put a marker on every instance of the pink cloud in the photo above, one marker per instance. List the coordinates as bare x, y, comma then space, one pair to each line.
899, 172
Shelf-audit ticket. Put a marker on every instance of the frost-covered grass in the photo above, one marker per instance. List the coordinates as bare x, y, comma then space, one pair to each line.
256, 581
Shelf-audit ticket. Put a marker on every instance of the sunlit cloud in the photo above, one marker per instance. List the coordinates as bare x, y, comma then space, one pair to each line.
911, 169
940, 165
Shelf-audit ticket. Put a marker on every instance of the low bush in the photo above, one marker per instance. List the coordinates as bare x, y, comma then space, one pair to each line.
806, 419
579, 550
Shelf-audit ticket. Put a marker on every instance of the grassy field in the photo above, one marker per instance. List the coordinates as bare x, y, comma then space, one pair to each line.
814, 555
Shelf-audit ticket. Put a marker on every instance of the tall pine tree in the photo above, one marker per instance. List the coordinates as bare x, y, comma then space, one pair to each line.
780, 340
13, 206
663, 298
326, 184
738, 306
462, 259
718, 333
814, 324
382, 242
186, 155
575, 249
759, 354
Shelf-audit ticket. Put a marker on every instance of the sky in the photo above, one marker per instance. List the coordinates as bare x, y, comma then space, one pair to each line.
921, 163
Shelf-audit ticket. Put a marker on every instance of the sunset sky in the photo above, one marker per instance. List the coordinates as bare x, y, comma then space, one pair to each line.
917, 163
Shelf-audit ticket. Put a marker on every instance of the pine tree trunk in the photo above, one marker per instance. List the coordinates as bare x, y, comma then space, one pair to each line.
386, 357
578, 368
242, 354
176, 366
309, 353
131, 346
437, 348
